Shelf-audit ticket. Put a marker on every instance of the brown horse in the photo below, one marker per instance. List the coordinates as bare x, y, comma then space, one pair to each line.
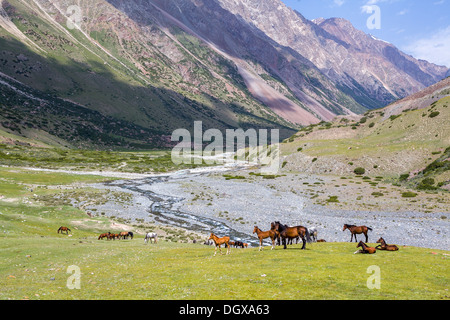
291, 233
384, 246
64, 229
264, 235
123, 235
219, 241
365, 248
357, 230
104, 235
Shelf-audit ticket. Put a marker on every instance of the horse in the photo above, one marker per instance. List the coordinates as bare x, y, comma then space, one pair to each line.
105, 235
313, 232
152, 236
131, 234
292, 233
384, 246
263, 235
219, 241
123, 235
64, 229
357, 230
365, 248
238, 244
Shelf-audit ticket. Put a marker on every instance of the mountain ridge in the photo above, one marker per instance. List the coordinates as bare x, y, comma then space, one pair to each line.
162, 65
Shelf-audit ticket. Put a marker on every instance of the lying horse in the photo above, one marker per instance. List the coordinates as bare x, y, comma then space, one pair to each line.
219, 241
152, 236
357, 230
64, 229
264, 235
384, 246
365, 248
291, 233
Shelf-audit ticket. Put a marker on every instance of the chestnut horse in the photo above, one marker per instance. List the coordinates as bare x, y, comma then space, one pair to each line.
64, 229
384, 246
219, 241
291, 233
263, 235
365, 248
104, 235
357, 230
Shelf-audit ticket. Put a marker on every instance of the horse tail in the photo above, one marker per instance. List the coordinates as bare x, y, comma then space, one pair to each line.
370, 229
308, 237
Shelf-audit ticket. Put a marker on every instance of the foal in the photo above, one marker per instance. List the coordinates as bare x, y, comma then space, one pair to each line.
365, 248
219, 241
263, 235
384, 246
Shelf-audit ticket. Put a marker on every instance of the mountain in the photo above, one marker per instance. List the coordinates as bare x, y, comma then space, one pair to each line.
158, 65
405, 142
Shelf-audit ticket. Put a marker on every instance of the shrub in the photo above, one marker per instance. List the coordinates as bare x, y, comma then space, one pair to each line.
359, 171
333, 199
404, 177
434, 114
378, 194
409, 194
314, 160
372, 124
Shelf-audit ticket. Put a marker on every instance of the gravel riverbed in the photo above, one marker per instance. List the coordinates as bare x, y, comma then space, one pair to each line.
205, 202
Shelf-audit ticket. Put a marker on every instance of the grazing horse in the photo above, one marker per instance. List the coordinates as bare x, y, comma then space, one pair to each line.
365, 248
384, 246
292, 233
219, 241
152, 236
123, 235
313, 232
263, 235
64, 229
105, 235
357, 230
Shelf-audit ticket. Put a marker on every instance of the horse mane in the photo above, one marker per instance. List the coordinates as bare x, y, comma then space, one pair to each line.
350, 225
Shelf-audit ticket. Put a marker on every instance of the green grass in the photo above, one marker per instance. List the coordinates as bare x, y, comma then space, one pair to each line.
36, 268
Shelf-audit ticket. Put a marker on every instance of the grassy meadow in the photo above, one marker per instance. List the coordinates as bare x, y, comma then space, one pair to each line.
34, 258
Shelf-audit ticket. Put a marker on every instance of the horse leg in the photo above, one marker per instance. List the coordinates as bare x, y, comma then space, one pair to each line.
304, 243
260, 244
367, 238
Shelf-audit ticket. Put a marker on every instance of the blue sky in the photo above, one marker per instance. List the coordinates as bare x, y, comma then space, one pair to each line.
420, 28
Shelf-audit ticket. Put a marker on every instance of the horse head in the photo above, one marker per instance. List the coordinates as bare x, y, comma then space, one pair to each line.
381, 240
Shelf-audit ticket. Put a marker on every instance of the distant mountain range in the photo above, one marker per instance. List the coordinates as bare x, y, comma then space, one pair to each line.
152, 66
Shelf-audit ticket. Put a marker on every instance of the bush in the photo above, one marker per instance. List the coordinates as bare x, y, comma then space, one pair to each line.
359, 171
372, 124
409, 194
434, 114
404, 177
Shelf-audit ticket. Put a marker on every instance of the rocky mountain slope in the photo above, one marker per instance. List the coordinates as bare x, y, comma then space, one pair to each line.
405, 142
160, 65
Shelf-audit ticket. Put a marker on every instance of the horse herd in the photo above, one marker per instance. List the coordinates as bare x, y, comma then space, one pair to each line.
285, 235
280, 233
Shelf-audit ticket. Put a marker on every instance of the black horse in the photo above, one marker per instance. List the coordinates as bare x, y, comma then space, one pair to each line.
286, 232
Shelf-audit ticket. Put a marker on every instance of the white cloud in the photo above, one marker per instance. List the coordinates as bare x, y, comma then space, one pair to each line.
338, 2
434, 49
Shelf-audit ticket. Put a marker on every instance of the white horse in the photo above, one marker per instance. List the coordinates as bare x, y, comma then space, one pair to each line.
151, 235
313, 233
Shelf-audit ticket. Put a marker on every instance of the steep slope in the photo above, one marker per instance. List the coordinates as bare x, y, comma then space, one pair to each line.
161, 65
372, 71
111, 66
404, 138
